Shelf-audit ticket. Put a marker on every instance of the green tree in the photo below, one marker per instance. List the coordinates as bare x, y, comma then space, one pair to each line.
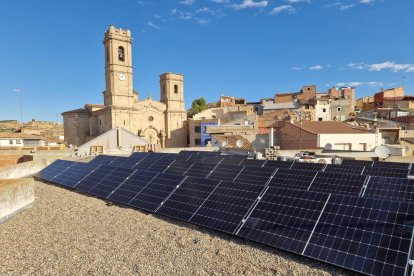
197, 106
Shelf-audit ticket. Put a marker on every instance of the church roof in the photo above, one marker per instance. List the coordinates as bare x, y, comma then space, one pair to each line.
76, 111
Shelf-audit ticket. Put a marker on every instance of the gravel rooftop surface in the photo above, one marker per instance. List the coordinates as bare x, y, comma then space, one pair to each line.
69, 233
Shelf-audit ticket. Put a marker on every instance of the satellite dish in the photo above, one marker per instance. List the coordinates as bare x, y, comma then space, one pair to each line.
239, 143
262, 141
328, 146
382, 151
224, 144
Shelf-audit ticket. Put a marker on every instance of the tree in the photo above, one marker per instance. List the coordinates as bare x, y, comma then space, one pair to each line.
197, 106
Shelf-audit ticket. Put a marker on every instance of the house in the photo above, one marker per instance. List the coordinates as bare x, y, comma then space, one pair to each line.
319, 134
16, 139
232, 144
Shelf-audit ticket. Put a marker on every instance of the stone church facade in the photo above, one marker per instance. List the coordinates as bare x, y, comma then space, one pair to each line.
162, 123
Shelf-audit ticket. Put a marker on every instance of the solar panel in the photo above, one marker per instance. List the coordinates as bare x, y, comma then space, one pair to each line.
74, 174
284, 218
187, 198
132, 186
94, 178
345, 184
398, 165
103, 159
370, 236
252, 162
390, 172
54, 169
362, 163
225, 172
179, 167
201, 169
151, 196
255, 175
118, 162
105, 187
160, 165
344, 169
308, 166
295, 179
144, 164
401, 189
227, 206
278, 164
232, 161
211, 160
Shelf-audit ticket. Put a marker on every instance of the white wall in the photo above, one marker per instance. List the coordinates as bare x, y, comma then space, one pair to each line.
5, 142
326, 116
354, 141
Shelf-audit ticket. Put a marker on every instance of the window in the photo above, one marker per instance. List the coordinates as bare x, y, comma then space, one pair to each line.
339, 109
319, 119
176, 89
18, 141
150, 118
121, 53
107, 54
323, 110
124, 122
100, 122
197, 142
197, 129
163, 89
10, 142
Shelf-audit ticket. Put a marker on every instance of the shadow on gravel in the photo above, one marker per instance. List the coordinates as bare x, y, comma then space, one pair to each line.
224, 236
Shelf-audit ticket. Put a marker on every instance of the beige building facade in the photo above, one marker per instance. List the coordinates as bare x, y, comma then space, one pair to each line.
162, 123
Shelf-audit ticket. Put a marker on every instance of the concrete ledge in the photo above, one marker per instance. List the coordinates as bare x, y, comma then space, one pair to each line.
15, 196
24, 169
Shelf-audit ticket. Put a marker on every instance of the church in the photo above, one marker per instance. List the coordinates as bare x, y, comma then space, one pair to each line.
162, 123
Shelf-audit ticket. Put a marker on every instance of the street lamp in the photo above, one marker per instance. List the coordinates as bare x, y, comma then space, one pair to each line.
17, 90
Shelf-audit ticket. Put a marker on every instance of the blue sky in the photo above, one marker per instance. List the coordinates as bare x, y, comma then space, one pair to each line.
52, 50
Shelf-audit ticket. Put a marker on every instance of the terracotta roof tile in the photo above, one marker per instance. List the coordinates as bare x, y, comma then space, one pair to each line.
329, 127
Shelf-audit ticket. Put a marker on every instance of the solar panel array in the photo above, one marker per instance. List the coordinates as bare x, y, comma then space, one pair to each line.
345, 215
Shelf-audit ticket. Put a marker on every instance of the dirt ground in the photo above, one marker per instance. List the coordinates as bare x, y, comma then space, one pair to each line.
65, 232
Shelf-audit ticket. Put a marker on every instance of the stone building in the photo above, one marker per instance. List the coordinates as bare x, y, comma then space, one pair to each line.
162, 123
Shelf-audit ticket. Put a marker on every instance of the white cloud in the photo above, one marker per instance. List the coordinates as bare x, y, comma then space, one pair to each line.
391, 65
151, 24
250, 4
221, 1
202, 21
357, 66
297, 68
316, 68
360, 83
366, 1
341, 6
283, 8
187, 2
206, 10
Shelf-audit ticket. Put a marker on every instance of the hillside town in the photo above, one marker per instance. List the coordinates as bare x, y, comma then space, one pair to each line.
257, 181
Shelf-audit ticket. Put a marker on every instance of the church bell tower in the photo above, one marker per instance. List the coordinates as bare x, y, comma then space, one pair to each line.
172, 95
118, 68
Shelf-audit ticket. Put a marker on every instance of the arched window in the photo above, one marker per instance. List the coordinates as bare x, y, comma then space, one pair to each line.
121, 53
107, 54
176, 89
